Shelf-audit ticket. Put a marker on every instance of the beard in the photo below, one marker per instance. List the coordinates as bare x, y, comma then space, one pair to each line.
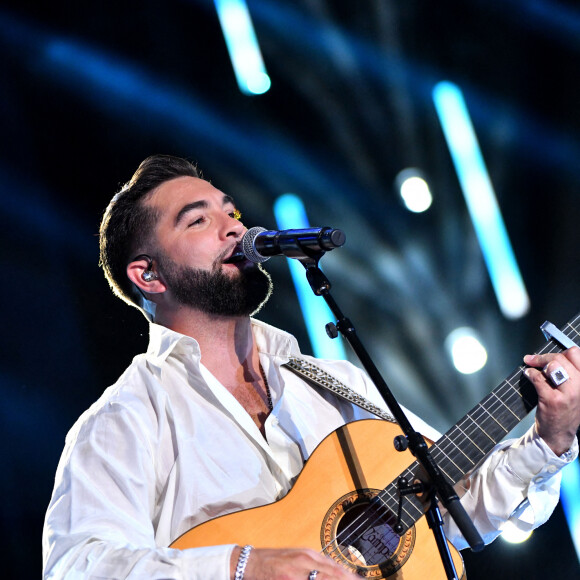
240, 293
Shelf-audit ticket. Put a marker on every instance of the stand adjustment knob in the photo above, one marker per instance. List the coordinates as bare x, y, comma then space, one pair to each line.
331, 330
401, 443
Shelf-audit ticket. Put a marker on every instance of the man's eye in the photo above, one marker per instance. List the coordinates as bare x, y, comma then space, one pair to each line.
236, 214
197, 221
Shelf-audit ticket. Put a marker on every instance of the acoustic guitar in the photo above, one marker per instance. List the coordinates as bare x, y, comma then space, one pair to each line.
339, 505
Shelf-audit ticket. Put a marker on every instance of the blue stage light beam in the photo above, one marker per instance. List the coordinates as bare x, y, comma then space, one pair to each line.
481, 201
570, 501
290, 214
243, 47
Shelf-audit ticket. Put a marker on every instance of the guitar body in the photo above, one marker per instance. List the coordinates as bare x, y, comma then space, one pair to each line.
326, 503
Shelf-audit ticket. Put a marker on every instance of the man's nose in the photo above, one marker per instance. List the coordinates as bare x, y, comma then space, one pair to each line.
234, 228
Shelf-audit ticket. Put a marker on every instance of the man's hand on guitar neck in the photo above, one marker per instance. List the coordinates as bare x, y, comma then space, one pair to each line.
290, 564
558, 412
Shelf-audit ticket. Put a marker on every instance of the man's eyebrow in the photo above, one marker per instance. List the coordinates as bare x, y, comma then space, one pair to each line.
202, 203
188, 207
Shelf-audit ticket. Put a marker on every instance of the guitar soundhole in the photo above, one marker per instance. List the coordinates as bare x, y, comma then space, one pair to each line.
359, 535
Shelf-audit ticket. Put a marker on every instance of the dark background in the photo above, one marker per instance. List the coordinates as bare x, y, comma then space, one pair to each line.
89, 89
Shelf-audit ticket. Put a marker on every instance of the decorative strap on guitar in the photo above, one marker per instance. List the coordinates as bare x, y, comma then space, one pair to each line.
315, 375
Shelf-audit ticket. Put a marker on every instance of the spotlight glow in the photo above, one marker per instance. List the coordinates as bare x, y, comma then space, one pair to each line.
243, 47
513, 535
290, 214
481, 201
414, 190
467, 352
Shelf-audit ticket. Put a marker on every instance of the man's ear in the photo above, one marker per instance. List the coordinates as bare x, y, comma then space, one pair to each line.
142, 274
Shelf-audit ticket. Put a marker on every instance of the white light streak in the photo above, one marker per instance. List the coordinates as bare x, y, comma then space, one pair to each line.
481, 201
243, 47
290, 214
571, 502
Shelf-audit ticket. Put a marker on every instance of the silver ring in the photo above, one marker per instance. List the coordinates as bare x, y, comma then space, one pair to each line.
312, 575
558, 376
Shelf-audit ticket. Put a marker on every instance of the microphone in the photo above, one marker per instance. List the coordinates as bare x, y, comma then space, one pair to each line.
259, 244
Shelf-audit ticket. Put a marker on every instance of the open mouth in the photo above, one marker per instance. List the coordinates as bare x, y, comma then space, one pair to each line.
235, 258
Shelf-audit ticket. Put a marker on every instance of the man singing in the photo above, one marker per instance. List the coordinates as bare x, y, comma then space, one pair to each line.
210, 421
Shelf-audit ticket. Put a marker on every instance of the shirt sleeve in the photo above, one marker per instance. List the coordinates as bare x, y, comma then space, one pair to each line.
519, 482
100, 521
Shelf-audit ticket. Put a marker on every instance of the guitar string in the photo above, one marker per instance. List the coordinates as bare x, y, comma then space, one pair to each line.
513, 393
359, 521
370, 517
368, 520
471, 426
368, 523
507, 386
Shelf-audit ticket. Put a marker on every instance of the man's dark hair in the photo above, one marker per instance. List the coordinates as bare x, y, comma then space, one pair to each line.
128, 224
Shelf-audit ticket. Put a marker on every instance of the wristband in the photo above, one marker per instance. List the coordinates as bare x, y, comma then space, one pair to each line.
242, 561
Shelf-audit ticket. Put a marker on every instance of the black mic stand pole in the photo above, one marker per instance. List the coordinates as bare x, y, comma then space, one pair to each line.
416, 443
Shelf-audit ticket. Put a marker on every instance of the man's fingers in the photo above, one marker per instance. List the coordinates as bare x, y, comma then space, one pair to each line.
571, 355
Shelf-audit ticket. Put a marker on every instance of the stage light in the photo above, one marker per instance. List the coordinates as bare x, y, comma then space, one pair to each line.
290, 214
414, 190
514, 535
466, 351
243, 47
481, 200
571, 502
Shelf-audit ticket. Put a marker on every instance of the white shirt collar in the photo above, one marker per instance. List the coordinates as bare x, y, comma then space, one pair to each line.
270, 340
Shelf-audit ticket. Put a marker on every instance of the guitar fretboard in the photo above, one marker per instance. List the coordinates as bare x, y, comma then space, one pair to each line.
466, 444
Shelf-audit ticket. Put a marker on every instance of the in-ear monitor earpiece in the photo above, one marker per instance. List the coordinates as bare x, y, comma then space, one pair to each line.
148, 276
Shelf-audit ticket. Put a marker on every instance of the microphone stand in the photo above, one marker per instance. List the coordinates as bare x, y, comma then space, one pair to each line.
440, 487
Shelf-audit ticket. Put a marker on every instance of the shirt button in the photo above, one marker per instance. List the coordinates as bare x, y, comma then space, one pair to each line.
552, 469
538, 479
275, 422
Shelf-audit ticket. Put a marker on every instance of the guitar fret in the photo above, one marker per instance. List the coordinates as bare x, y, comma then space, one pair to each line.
476, 434
455, 446
389, 497
459, 456
448, 467
574, 332
450, 470
490, 416
453, 470
505, 406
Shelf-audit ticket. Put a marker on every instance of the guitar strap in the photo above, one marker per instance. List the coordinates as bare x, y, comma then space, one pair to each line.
316, 376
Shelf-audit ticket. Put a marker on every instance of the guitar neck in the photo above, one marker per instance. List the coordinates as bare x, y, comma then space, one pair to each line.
466, 444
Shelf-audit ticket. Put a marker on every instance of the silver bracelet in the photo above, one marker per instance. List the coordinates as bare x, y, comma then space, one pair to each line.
242, 561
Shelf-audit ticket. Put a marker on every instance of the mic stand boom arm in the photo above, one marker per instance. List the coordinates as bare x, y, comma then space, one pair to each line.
416, 443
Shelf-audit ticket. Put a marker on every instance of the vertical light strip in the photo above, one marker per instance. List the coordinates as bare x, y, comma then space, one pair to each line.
571, 502
481, 200
290, 214
243, 46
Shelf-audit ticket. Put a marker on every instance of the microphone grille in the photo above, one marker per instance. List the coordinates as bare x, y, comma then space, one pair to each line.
248, 247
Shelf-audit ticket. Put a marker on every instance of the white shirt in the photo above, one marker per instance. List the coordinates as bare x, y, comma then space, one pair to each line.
168, 447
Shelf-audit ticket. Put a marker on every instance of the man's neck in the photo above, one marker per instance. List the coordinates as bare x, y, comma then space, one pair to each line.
229, 352
226, 343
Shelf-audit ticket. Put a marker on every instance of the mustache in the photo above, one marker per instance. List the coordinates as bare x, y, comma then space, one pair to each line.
222, 256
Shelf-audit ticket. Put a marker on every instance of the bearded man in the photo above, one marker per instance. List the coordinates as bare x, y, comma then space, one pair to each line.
210, 421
